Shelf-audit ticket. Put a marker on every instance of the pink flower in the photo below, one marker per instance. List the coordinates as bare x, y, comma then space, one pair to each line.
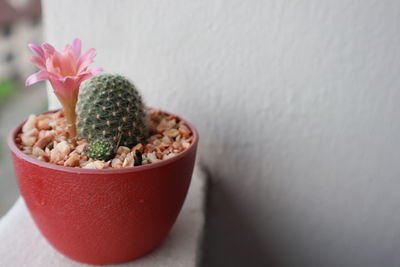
65, 70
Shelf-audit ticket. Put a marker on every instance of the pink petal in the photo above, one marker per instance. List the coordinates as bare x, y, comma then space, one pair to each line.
86, 75
48, 49
52, 66
95, 71
86, 59
68, 79
38, 61
76, 47
36, 77
68, 63
67, 47
37, 50
66, 87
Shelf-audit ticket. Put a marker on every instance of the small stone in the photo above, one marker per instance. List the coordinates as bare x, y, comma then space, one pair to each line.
172, 133
157, 142
122, 156
72, 161
123, 149
27, 150
28, 140
166, 141
185, 144
99, 164
107, 164
81, 148
55, 156
43, 125
90, 165
116, 163
44, 141
29, 124
61, 132
42, 133
81, 142
168, 156
128, 161
32, 132
184, 131
165, 125
37, 152
58, 114
152, 157
176, 144
44, 158
149, 148
63, 147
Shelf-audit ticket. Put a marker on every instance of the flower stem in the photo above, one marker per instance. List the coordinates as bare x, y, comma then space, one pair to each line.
70, 116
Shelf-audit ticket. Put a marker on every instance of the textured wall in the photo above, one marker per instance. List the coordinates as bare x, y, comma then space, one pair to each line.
297, 104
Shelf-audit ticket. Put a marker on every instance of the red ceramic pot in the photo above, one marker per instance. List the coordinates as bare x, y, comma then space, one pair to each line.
104, 216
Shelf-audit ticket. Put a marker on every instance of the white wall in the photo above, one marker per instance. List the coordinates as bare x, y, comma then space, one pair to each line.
297, 103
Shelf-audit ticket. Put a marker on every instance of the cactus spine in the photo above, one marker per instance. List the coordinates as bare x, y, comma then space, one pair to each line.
110, 112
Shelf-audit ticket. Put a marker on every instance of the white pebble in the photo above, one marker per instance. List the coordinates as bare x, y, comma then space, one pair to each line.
29, 124
152, 157
90, 165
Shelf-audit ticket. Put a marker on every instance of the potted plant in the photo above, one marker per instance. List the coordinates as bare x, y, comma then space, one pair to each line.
105, 177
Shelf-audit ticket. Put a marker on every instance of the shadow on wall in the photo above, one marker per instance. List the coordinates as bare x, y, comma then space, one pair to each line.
230, 233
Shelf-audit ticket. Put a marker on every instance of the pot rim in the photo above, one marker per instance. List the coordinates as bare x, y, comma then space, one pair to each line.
77, 170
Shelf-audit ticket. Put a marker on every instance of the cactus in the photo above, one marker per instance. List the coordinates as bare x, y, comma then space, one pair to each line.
110, 111
100, 149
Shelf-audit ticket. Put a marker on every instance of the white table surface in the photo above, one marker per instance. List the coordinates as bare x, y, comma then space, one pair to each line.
22, 245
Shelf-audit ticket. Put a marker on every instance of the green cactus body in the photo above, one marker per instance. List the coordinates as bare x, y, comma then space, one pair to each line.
100, 149
110, 109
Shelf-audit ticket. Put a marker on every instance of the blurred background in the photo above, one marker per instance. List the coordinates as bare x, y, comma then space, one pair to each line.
20, 24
